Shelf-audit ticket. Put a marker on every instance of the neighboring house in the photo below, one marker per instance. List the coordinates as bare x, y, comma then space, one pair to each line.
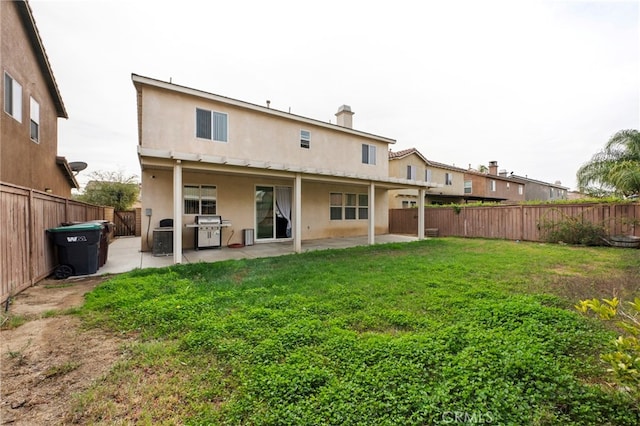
446, 182
492, 186
31, 107
284, 176
536, 190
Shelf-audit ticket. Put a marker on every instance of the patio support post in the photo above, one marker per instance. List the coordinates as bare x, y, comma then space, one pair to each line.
421, 194
297, 214
372, 215
177, 212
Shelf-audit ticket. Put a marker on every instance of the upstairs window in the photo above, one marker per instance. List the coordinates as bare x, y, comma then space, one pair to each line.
493, 185
468, 187
520, 189
427, 175
368, 154
448, 178
35, 120
12, 97
305, 139
411, 172
211, 125
200, 199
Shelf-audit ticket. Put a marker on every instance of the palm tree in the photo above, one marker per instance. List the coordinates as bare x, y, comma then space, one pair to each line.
615, 169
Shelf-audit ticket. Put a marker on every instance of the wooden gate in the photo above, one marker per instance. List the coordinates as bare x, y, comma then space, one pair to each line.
124, 223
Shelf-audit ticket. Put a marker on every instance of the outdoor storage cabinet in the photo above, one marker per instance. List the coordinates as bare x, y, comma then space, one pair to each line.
78, 249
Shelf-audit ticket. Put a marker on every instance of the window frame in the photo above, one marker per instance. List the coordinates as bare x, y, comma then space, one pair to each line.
468, 187
34, 120
12, 97
448, 179
411, 172
201, 199
305, 139
353, 206
493, 185
428, 175
368, 154
212, 131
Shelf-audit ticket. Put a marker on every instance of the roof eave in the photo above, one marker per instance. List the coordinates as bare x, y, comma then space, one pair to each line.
26, 14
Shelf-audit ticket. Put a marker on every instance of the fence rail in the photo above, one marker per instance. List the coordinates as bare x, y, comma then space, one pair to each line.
26, 253
519, 222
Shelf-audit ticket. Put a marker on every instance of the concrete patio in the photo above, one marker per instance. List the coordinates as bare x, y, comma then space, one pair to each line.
124, 252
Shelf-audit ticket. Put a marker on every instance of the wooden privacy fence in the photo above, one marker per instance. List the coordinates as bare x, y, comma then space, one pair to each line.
515, 222
26, 253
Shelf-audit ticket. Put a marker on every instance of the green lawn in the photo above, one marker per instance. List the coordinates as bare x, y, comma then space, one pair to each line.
441, 331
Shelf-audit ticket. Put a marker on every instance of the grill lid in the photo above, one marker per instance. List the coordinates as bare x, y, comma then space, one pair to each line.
208, 220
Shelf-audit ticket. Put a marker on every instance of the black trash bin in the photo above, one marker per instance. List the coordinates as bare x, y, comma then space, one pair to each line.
78, 249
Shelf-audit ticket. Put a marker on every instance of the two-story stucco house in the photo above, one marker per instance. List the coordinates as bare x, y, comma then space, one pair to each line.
287, 177
446, 183
536, 190
492, 186
31, 107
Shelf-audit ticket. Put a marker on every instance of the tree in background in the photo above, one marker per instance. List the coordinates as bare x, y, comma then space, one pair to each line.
112, 189
616, 169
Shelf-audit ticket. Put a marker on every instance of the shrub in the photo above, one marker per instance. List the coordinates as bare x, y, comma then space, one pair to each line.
572, 230
624, 360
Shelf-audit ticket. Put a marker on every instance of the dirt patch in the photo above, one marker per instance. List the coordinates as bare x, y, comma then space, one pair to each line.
48, 359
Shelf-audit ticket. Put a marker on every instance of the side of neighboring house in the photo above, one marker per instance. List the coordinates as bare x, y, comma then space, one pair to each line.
31, 107
287, 177
446, 182
492, 186
536, 190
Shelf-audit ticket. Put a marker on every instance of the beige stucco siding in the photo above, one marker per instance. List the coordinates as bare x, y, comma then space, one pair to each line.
253, 135
236, 202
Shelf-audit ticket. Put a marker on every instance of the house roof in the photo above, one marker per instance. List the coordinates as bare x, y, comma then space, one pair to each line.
406, 152
68, 173
29, 23
527, 179
138, 80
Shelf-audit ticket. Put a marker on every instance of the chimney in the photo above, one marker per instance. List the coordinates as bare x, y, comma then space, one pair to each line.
345, 116
493, 168
503, 172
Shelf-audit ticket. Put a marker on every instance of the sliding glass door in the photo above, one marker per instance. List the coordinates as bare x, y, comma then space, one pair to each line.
273, 212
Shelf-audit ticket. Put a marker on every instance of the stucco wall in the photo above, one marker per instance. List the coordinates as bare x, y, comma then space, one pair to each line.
22, 161
236, 202
253, 135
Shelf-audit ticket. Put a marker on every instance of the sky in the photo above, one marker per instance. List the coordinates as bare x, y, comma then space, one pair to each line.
537, 85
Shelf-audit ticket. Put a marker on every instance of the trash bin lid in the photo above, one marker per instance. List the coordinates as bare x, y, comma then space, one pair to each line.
77, 227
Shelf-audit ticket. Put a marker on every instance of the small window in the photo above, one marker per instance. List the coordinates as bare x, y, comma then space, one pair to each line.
305, 139
427, 175
508, 186
468, 187
493, 185
368, 154
200, 199
411, 172
336, 206
12, 97
35, 120
520, 189
211, 125
405, 204
448, 178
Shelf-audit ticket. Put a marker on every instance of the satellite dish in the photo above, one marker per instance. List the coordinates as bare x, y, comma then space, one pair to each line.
77, 166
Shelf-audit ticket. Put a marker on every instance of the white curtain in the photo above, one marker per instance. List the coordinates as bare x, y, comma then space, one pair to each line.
283, 204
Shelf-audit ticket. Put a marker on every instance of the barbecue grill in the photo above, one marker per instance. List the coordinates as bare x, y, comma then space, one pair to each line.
209, 232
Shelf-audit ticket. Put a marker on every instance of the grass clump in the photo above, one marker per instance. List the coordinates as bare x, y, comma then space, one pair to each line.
420, 333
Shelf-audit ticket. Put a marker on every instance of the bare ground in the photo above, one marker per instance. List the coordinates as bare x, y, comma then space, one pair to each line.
49, 358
